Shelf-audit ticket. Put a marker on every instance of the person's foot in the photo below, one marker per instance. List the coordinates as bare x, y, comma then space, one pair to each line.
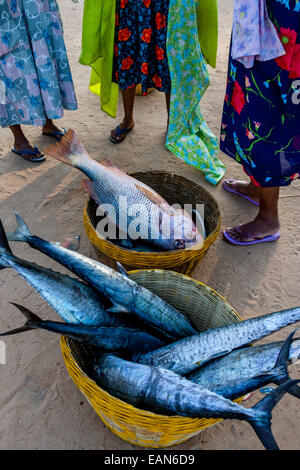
26, 150
118, 134
243, 188
51, 130
256, 230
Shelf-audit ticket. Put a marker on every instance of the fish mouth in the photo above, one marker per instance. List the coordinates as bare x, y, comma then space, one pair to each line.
194, 243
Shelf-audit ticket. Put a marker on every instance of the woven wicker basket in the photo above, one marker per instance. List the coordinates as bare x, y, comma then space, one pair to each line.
175, 189
206, 309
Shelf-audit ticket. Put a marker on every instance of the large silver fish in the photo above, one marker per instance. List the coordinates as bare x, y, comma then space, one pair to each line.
165, 392
188, 354
159, 223
224, 375
106, 338
123, 292
73, 300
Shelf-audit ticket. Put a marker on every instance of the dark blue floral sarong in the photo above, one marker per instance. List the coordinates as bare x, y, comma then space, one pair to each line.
140, 45
261, 118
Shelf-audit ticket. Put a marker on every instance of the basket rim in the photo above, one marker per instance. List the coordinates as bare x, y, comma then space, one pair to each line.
160, 254
65, 343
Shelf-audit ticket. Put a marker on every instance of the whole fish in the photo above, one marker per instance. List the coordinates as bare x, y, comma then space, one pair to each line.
164, 392
243, 364
105, 338
73, 300
122, 197
188, 354
123, 292
236, 387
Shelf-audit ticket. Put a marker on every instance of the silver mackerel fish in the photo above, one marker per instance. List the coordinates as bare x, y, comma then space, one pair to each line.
125, 294
167, 393
188, 354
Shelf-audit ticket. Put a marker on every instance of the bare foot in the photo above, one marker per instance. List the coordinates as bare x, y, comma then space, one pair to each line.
257, 229
50, 127
244, 188
22, 145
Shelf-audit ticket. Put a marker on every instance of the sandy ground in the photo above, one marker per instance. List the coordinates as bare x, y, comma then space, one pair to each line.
40, 407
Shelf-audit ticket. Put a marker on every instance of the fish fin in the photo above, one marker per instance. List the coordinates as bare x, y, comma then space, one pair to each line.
121, 269
31, 317
116, 308
4, 247
21, 233
106, 162
31, 320
68, 150
262, 425
89, 187
150, 194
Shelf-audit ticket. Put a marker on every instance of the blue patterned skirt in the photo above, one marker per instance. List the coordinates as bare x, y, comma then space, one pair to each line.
261, 118
140, 45
35, 77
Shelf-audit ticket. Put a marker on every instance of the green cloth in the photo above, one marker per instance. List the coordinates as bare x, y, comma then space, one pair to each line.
189, 137
98, 35
98, 31
207, 19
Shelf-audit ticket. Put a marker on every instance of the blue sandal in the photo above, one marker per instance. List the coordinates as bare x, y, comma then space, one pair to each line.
57, 135
35, 151
120, 132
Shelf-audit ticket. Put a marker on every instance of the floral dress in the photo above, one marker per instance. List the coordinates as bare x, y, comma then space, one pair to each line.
140, 45
261, 118
35, 77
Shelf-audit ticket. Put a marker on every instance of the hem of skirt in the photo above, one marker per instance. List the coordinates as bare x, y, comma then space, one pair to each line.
273, 183
162, 90
213, 177
43, 119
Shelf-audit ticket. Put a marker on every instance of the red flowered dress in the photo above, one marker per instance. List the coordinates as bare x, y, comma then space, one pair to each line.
140, 45
261, 118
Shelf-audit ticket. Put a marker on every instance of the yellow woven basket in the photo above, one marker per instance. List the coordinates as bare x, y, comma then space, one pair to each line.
206, 309
176, 190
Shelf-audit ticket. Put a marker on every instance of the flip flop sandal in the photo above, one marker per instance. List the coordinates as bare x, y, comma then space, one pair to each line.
57, 135
120, 132
234, 190
35, 151
255, 240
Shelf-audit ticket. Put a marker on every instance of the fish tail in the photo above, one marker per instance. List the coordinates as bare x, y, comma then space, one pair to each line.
281, 363
262, 423
69, 150
21, 233
279, 372
31, 321
4, 247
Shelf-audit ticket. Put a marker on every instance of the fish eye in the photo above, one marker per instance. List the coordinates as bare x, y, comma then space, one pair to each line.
179, 244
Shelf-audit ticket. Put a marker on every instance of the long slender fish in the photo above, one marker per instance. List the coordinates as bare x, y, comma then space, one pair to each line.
73, 300
243, 364
160, 224
105, 338
165, 392
236, 387
123, 292
188, 354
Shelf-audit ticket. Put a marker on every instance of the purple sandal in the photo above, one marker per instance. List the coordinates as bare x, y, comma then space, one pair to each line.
233, 190
255, 240
120, 132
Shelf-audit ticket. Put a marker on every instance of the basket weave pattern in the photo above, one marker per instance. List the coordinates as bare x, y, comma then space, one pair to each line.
206, 309
175, 189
